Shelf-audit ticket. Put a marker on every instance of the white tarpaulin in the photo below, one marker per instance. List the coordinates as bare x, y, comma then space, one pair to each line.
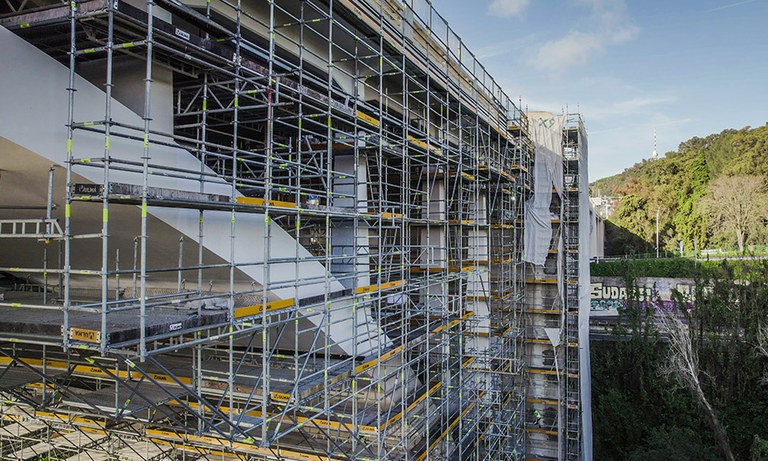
554, 336
546, 131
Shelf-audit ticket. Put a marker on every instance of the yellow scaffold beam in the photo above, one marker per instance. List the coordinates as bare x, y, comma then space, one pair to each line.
89, 370
540, 431
180, 441
542, 281
262, 202
256, 309
380, 287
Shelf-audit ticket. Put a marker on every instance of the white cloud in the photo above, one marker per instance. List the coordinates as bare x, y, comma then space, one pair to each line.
492, 51
513, 45
608, 25
631, 105
730, 5
640, 106
572, 50
507, 8
623, 34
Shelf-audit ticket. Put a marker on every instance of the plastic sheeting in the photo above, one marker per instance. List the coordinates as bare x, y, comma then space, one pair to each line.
585, 251
547, 136
546, 131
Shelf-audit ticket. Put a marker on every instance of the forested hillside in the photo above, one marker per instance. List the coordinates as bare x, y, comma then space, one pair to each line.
688, 189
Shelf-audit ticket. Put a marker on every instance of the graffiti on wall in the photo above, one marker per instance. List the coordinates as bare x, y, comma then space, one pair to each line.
609, 294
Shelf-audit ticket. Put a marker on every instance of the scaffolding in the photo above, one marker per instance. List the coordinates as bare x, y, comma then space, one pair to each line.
290, 230
552, 335
572, 160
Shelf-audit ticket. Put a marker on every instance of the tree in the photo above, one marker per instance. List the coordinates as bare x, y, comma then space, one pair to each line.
673, 443
759, 451
762, 345
737, 204
688, 219
636, 415
684, 365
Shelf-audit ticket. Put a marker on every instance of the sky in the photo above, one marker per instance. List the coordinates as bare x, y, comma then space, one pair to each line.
684, 67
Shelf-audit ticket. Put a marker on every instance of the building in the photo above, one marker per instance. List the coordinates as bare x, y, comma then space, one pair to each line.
557, 292
604, 205
266, 230
597, 234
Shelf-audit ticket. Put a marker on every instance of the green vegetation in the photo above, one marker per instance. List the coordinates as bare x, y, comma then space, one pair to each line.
667, 267
672, 267
675, 188
642, 413
710, 193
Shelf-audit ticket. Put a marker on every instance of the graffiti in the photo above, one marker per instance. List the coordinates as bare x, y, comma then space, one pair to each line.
616, 304
667, 306
609, 294
607, 304
600, 291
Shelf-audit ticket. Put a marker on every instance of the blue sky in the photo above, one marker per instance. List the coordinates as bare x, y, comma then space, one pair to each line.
686, 67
